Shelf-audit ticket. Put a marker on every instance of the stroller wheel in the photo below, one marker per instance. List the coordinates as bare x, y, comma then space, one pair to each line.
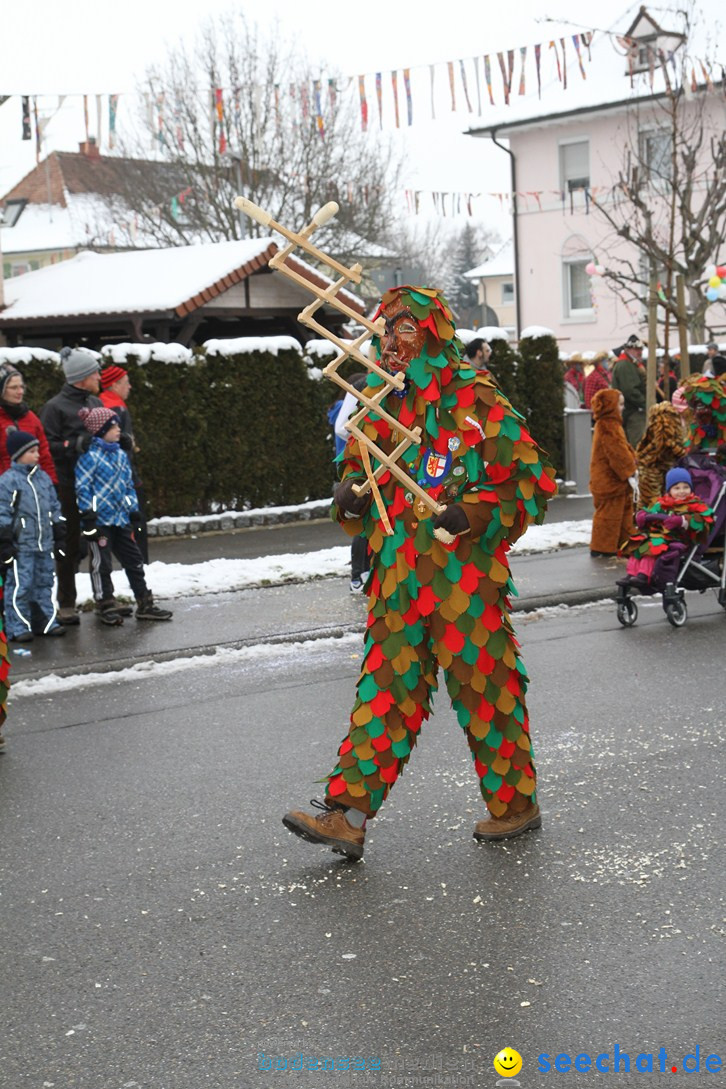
677, 613
627, 612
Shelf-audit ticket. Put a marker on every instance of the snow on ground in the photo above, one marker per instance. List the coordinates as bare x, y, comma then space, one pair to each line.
222, 656
173, 580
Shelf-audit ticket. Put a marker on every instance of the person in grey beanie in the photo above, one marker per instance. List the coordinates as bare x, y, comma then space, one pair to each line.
68, 439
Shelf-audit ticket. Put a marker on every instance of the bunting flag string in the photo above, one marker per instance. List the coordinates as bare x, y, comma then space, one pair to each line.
394, 88
462, 72
488, 78
447, 202
553, 45
409, 100
576, 43
25, 102
112, 111
318, 101
363, 103
219, 111
505, 82
478, 85
452, 86
38, 136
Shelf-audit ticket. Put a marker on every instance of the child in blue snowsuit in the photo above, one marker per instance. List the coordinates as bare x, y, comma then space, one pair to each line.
31, 527
109, 512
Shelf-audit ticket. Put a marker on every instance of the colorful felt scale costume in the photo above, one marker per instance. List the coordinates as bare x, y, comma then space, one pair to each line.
443, 604
698, 519
706, 397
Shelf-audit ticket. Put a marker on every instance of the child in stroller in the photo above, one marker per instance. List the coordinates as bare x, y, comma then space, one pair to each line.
679, 544
665, 531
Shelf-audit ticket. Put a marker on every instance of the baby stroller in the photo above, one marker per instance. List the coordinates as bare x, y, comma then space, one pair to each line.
701, 566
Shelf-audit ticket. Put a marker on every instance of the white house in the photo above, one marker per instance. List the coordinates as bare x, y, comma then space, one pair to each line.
564, 159
494, 280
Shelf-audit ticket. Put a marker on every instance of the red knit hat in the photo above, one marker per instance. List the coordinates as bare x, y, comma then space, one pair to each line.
109, 375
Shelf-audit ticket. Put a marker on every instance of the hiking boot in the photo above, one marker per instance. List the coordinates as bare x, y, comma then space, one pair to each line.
107, 614
123, 608
509, 826
56, 630
331, 828
68, 616
24, 637
147, 610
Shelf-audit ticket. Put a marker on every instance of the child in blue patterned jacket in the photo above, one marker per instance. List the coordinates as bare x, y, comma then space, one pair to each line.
109, 511
31, 528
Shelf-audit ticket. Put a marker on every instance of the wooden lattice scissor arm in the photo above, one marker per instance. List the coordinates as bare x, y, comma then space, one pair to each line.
347, 349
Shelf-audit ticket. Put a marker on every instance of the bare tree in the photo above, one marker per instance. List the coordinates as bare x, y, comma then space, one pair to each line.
243, 114
669, 201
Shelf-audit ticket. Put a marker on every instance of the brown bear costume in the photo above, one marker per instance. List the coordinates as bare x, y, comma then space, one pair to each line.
612, 461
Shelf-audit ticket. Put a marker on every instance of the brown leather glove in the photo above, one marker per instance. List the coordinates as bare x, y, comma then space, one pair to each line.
347, 501
453, 520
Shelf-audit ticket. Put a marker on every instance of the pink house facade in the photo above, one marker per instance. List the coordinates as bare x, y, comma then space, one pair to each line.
560, 161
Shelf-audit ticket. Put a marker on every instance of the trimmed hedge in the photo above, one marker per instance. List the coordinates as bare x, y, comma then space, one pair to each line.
541, 395
230, 432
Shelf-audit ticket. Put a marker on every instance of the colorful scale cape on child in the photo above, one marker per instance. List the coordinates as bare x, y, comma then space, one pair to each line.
432, 604
656, 540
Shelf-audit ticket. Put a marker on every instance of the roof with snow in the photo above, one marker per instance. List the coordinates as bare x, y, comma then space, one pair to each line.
177, 280
501, 264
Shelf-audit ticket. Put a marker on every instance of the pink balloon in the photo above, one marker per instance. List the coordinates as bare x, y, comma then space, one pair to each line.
590, 268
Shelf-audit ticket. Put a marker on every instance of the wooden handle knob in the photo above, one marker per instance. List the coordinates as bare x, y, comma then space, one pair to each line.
325, 213
253, 210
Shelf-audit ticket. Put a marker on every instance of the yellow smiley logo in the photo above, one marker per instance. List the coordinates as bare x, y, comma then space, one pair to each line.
508, 1062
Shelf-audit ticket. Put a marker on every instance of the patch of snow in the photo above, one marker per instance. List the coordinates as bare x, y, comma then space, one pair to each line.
175, 580
52, 684
240, 345
14, 356
144, 353
534, 331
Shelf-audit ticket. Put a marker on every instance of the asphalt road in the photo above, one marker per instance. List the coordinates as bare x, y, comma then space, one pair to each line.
162, 930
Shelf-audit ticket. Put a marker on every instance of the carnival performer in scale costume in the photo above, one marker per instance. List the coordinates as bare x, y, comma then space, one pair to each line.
439, 584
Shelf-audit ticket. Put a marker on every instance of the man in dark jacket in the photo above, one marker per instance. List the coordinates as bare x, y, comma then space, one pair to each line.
628, 376
68, 439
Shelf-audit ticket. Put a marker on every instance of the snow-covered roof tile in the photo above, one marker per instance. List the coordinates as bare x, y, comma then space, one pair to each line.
501, 264
179, 279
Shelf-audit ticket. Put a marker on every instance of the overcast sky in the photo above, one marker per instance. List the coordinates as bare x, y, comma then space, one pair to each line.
97, 47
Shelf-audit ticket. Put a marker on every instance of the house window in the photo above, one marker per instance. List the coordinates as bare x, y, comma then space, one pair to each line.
507, 293
656, 154
11, 213
577, 297
575, 165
